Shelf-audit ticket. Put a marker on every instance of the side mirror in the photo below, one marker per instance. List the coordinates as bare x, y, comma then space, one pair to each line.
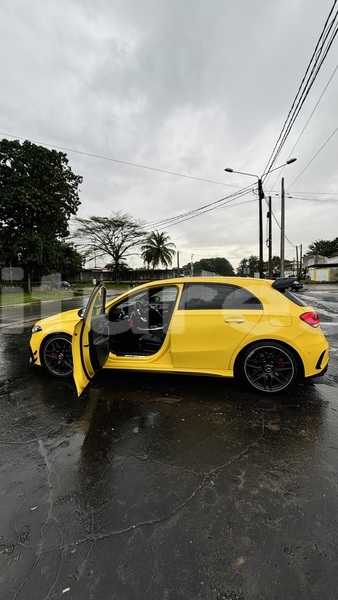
81, 312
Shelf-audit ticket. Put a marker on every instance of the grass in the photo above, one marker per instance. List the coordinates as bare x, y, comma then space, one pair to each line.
21, 297
10, 295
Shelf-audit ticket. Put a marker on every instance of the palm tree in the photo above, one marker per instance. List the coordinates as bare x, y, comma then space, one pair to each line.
157, 249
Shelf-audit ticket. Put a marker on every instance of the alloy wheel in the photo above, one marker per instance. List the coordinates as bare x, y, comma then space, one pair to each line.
57, 355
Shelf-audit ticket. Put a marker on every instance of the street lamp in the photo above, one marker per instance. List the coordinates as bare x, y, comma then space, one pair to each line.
260, 198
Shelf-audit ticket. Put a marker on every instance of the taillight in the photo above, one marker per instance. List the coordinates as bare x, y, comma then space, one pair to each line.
311, 318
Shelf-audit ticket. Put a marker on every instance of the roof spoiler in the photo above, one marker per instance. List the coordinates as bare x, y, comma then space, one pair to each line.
283, 283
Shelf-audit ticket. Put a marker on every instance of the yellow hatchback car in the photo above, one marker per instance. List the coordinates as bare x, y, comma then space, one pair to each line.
256, 330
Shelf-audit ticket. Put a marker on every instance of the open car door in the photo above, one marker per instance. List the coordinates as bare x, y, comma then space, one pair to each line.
90, 343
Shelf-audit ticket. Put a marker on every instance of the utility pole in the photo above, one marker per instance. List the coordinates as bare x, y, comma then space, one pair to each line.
300, 261
178, 262
282, 230
270, 240
191, 266
260, 200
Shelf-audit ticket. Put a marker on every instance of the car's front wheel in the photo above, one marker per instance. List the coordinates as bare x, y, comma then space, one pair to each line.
269, 367
56, 355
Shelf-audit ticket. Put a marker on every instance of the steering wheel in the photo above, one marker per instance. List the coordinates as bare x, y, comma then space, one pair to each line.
139, 316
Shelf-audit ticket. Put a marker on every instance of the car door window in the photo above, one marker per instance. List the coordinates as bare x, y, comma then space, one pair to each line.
98, 306
215, 296
139, 323
197, 296
158, 303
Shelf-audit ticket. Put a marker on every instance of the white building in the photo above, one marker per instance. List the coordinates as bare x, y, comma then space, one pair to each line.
321, 268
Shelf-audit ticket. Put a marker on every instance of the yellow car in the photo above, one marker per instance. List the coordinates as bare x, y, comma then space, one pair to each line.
254, 329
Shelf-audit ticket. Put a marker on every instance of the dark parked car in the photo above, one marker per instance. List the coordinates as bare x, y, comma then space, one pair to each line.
65, 285
296, 286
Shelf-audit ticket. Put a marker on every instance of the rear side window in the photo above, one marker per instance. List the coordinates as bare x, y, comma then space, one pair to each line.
295, 299
244, 299
214, 296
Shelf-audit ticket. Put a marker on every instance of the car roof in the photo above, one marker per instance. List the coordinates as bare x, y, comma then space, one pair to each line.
252, 284
280, 284
215, 279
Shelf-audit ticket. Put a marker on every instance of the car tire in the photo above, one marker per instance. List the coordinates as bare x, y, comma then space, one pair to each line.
269, 367
56, 355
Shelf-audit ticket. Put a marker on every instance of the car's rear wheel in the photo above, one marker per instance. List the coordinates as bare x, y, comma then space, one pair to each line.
269, 367
56, 355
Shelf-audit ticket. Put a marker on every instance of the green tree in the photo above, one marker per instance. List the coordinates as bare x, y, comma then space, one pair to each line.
123, 268
276, 265
253, 264
324, 247
243, 269
248, 266
289, 265
218, 265
38, 195
69, 261
157, 249
116, 237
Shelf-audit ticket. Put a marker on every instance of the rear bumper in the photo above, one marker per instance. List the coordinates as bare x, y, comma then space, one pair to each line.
313, 348
321, 365
319, 374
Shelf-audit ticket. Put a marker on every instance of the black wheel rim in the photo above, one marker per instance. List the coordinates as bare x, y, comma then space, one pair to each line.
269, 369
58, 356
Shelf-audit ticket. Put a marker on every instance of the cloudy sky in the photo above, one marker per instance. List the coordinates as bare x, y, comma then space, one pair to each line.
152, 99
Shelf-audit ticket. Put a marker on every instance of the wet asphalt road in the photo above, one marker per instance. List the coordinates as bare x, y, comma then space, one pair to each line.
165, 487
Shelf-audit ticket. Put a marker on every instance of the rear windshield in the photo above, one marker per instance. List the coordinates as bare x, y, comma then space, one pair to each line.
293, 297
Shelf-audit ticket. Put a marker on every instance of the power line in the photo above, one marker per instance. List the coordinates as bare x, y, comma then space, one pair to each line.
237, 204
317, 200
200, 210
318, 58
313, 68
272, 192
122, 162
312, 159
319, 193
314, 110
304, 93
307, 122
197, 215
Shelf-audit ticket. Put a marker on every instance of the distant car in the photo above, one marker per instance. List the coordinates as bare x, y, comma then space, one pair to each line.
296, 286
65, 285
255, 330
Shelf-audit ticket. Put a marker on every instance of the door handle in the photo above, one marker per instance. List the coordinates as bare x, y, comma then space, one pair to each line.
234, 320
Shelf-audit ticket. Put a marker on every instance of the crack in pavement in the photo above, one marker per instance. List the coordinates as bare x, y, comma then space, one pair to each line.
206, 479
50, 517
93, 538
